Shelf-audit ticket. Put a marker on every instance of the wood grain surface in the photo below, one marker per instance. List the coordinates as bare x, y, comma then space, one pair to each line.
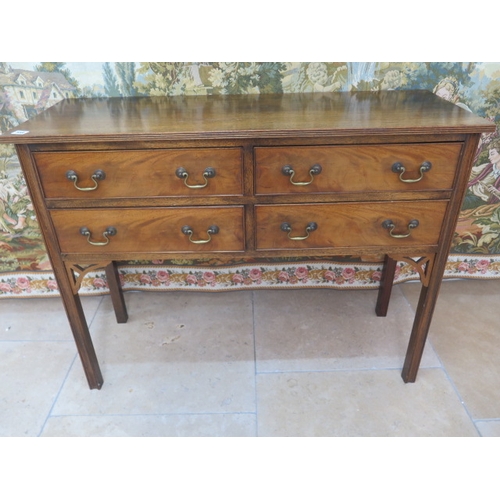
247, 116
349, 224
357, 168
139, 173
149, 230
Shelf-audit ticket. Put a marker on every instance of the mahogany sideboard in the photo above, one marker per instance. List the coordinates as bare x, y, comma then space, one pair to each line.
277, 175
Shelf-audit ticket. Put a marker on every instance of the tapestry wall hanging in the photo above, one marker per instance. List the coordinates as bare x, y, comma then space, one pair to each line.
26, 89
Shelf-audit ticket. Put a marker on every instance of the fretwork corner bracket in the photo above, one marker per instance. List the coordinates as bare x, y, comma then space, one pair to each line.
422, 265
77, 273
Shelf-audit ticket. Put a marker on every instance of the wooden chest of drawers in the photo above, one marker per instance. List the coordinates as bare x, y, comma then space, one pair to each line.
261, 176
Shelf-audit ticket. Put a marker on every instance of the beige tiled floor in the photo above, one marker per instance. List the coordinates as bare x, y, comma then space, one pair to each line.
263, 363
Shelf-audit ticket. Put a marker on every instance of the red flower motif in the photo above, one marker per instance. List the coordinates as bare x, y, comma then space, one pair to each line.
255, 274
483, 265
301, 273
348, 273
237, 278
99, 283
329, 275
52, 285
209, 276
163, 276
145, 279
283, 276
23, 282
191, 279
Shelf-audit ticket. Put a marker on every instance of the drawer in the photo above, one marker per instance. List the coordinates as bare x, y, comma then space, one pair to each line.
342, 169
348, 225
150, 230
136, 173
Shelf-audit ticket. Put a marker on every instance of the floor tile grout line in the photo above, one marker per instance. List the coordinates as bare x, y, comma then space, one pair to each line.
75, 357
452, 383
349, 370
253, 424
461, 399
255, 373
343, 370
455, 388
160, 414
38, 340
89, 322
446, 374
56, 397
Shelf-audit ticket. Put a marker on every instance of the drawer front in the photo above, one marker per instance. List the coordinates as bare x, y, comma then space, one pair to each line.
150, 230
136, 173
345, 169
348, 225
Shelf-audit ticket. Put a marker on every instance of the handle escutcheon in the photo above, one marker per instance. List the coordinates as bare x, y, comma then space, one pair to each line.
98, 175
388, 224
188, 231
289, 171
110, 231
287, 228
208, 173
398, 168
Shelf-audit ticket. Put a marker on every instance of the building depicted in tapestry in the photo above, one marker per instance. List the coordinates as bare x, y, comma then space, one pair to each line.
32, 91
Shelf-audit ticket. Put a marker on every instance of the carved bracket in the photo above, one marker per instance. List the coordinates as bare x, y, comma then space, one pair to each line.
423, 265
76, 273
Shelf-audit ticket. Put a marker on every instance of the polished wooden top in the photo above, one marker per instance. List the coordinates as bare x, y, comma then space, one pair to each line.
247, 116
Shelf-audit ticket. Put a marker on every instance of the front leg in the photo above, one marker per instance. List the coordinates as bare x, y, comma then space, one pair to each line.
83, 341
386, 282
68, 287
419, 333
431, 277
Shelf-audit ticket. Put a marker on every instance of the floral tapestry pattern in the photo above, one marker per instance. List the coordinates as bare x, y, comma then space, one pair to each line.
26, 89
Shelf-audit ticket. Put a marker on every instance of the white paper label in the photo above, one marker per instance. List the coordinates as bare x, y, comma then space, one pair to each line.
20, 132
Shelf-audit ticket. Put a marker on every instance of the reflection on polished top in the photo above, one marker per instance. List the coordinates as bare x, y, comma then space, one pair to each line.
242, 116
